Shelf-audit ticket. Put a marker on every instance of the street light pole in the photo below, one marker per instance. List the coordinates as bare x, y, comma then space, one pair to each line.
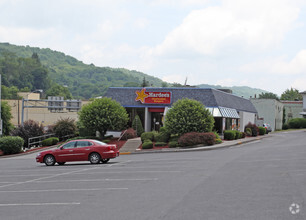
22, 110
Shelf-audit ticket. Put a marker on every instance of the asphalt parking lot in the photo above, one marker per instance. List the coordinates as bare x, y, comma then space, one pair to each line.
257, 180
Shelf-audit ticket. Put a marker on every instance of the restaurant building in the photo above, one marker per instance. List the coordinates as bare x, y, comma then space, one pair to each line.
230, 112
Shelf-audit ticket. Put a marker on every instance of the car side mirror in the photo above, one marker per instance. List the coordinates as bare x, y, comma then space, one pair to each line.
61, 148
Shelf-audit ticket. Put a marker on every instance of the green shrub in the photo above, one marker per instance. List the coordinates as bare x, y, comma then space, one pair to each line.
64, 127
162, 137
229, 135
147, 136
262, 130
50, 141
285, 126
254, 129
248, 132
160, 144
187, 115
297, 123
11, 145
147, 144
174, 137
137, 126
173, 144
237, 134
218, 141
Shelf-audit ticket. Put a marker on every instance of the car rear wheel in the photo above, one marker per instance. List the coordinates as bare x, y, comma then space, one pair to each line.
104, 160
49, 160
94, 158
61, 163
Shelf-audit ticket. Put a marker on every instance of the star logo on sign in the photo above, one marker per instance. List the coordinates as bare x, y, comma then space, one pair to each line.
141, 95
294, 208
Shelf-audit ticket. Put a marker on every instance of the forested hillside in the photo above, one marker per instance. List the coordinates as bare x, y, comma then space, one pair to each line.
30, 68
242, 91
83, 81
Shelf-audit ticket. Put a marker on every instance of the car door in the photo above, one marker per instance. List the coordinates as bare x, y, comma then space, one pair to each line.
66, 152
82, 150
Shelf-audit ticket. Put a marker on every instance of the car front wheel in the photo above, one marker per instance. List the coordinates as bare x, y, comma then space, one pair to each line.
49, 160
94, 158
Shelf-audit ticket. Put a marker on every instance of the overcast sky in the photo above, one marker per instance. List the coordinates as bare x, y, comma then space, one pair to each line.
256, 43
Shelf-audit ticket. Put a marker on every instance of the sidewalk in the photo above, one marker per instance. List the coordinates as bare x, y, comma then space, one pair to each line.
224, 144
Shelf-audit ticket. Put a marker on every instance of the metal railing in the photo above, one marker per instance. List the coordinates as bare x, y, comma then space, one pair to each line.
122, 135
37, 140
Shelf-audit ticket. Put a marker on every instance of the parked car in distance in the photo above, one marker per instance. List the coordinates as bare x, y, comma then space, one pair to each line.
268, 128
79, 150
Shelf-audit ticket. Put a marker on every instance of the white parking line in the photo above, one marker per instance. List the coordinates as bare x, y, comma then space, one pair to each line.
47, 177
135, 171
95, 180
40, 204
60, 190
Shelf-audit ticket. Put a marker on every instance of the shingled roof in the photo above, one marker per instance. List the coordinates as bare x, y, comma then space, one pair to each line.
209, 97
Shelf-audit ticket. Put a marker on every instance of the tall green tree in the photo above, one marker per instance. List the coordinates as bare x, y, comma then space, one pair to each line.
58, 90
6, 117
268, 95
103, 114
187, 115
291, 95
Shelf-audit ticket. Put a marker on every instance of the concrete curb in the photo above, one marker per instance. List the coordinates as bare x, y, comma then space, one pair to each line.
167, 150
202, 148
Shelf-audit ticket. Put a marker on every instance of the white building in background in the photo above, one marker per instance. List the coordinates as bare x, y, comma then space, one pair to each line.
271, 111
303, 113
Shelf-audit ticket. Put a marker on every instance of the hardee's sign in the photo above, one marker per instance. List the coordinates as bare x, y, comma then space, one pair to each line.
153, 97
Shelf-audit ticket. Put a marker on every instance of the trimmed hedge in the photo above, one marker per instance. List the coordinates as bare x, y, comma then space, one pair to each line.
297, 123
162, 137
11, 144
229, 135
148, 144
160, 144
285, 127
147, 136
50, 141
262, 130
173, 144
195, 138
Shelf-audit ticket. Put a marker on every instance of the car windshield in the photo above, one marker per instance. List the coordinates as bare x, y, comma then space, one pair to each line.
99, 142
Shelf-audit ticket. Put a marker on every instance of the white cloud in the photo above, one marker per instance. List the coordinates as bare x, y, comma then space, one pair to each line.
243, 24
24, 35
299, 83
180, 3
279, 65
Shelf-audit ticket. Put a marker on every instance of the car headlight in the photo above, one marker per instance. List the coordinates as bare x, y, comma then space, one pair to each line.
38, 154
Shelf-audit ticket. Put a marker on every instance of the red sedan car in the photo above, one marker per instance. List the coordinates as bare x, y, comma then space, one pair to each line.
79, 150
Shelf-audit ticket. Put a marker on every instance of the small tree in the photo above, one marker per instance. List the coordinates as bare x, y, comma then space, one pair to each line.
187, 115
268, 95
6, 116
137, 126
103, 114
29, 129
291, 95
64, 127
